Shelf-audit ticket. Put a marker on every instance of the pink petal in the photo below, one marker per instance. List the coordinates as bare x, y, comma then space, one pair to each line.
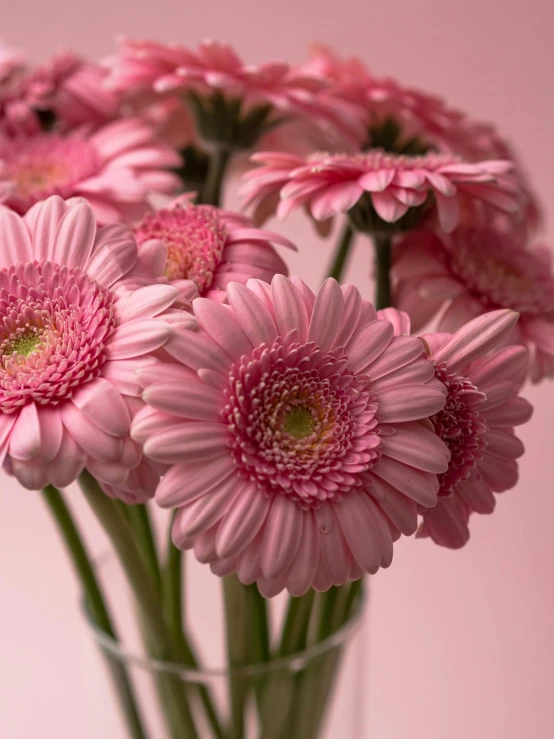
446, 524
499, 474
51, 432
335, 555
186, 399
191, 442
336, 199
402, 350
68, 463
94, 442
416, 446
475, 338
31, 475
113, 259
408, 403
137, 337
197, 351
220, 324
359, 530
123, 374
541, 332
43, 218
513, 413
290, 309
388, 207
25, 439
512, 363
283, 532
352, 313
401, 511
184, 483
251, 314
367, 344
102, 404
326, 319
477, 495
300, 576
74, 236
15, 240
148, 302
503, 444
206, 511
422, 487
242, 522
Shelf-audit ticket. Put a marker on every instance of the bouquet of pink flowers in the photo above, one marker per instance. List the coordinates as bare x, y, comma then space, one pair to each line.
155, 350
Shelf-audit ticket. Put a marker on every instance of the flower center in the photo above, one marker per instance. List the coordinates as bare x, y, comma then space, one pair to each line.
194, 237
461, 427
44, 165
300, 423
500, 273
54, 323
24, 342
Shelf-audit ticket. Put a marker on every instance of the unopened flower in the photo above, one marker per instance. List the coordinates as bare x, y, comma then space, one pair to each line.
208, 247
378, 188
115, 168
475, 270
71, 339
292, 424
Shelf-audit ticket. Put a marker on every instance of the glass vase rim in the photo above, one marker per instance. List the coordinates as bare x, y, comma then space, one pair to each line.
295, 662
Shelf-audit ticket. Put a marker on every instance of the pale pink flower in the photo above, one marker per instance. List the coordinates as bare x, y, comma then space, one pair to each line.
200, 249
292, 424
115, 168
477, 422
72, 336
329, 184
475, 270
213, 67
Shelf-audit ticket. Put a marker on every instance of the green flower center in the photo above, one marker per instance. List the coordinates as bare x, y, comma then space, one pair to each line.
299, 422
23, 344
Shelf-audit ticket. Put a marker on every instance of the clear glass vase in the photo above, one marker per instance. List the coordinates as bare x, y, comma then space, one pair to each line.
317, 693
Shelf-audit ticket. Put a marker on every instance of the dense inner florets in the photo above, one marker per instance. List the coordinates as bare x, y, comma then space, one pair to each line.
301, 423
461, 427
44, 165
54, 323
194, 237
500, 273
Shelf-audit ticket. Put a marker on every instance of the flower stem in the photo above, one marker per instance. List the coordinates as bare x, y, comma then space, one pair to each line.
217, 168
297, 623
383, 258
95, 603
139, 520
342, 252
171, 690
236, 610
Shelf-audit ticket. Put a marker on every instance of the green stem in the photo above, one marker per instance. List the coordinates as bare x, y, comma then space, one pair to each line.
95, 603
383, 258
171, 690
342, 252
219, 159
139, 520
172, 590
237, 650
297, 623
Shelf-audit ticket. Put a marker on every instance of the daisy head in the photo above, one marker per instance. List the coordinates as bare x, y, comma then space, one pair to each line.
115, 168
475, 270
200, 249
71, 338
292, 424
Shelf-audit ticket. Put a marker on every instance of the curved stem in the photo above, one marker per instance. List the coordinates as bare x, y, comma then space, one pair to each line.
383, 259
95, 603
171, 690
217, 167
342, 252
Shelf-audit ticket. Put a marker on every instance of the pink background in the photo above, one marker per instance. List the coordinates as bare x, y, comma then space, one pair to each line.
461, 644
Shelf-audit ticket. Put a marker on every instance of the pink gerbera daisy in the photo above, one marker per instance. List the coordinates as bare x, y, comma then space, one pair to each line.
292, 424
71, 339
474, 270
378, 188
207, 246
115, 168
215, 73
477, 422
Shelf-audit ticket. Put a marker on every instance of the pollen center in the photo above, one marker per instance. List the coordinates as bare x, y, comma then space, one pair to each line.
23, 344
299, 422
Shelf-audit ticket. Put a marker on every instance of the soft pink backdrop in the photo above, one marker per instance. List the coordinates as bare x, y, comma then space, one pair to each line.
461, 644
